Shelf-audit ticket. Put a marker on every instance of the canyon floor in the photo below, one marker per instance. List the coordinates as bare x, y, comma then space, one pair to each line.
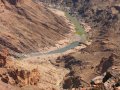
27, 26
33, 72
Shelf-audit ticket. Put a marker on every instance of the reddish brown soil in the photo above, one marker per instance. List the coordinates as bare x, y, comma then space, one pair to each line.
103, 55
14, 75
26, 26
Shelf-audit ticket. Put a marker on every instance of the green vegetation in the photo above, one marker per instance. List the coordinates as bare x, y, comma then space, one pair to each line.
79, 29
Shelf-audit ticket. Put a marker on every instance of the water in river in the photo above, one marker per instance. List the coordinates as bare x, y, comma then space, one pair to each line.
68, 47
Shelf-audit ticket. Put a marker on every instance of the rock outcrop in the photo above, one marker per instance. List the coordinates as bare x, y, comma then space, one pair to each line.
11, 74
103, 16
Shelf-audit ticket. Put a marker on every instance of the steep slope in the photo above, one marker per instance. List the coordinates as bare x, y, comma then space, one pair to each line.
26, 26
103, 55
32, 73
104, 18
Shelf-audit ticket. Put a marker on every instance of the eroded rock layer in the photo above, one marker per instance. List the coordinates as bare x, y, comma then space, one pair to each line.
26, 26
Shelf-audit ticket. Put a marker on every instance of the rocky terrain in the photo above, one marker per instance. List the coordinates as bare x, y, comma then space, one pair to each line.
29, 74
96, 67
14, 75
26, 26
103, 55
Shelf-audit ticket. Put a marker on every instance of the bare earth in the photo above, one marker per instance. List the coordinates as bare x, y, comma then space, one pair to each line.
37, 66
50, 76
25, 23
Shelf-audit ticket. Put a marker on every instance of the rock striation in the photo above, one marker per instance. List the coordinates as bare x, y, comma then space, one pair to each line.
27, 26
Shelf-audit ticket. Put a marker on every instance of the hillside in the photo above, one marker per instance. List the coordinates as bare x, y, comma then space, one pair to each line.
103, 55
26, 26
29, 26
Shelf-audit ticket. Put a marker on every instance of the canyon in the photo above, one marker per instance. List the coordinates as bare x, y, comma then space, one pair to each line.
31, 26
